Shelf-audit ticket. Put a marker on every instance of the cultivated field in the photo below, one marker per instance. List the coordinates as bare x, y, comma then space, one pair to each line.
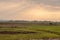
30, 32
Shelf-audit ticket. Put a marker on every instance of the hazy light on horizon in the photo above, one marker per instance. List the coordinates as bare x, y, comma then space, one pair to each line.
30, 10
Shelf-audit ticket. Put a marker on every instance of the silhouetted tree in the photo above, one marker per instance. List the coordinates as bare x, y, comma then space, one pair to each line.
50, 23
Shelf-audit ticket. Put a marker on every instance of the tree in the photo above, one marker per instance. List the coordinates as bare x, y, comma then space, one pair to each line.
50, 23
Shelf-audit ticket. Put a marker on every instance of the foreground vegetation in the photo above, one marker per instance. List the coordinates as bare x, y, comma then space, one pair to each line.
31, 31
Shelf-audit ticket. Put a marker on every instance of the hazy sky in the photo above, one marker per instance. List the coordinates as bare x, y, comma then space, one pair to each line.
30, 10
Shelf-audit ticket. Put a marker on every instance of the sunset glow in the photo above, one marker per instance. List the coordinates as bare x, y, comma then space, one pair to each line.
30, 10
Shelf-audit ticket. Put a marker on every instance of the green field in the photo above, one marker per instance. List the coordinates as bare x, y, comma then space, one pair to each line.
31, 32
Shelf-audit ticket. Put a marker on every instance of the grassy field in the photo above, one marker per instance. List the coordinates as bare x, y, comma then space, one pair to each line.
30, 32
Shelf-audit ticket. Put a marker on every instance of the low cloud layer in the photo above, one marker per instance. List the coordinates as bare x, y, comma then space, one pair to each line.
48, 4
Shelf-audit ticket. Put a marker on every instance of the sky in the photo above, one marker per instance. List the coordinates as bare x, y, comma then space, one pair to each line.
48, 10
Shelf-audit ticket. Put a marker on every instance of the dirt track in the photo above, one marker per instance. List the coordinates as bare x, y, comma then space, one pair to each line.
16, 32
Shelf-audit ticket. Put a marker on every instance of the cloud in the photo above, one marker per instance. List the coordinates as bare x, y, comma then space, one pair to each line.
48, 4
30, 9
9, 9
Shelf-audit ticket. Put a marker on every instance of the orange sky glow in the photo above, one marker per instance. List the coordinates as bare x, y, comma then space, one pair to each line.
30, 10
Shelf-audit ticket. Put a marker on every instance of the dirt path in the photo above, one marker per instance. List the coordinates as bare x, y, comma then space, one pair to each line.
16, 32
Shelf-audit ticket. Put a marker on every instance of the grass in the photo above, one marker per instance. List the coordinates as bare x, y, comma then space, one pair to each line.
41, 32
